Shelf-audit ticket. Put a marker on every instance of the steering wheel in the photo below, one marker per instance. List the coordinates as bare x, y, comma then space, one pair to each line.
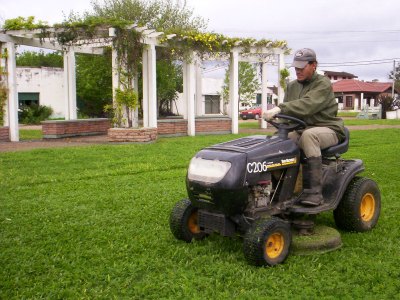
285, 128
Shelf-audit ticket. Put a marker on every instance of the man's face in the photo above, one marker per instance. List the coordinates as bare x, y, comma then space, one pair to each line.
306, 73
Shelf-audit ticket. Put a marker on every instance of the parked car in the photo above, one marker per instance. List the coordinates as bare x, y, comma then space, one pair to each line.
254, 112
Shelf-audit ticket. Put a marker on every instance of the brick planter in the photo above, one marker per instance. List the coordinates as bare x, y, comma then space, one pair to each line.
61, 129
204, 125
172, 127
213, 125
132, 135
4, 134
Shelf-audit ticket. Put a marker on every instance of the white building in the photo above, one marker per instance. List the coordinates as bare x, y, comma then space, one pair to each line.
43, 86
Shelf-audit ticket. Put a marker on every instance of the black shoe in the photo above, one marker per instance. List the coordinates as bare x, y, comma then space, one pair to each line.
311, 198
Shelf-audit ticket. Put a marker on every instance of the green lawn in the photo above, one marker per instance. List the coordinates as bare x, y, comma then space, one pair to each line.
92, 223
30, 134
254, 124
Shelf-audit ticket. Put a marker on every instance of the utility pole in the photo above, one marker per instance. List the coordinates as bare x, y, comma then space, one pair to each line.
394, 77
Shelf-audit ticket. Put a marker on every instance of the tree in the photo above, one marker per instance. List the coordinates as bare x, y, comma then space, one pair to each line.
93, 83
169, 82
395, 74
161, 15
248, 83
39, 59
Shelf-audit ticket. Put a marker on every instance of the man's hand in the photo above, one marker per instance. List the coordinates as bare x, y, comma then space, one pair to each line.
269, 114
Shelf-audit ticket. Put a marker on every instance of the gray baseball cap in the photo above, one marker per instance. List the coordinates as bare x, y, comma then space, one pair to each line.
302, 57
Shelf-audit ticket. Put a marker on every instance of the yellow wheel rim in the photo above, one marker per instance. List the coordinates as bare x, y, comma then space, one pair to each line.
274, 245
367, 208
193, 224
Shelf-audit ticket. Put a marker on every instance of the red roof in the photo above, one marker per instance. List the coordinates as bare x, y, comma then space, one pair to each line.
351, 85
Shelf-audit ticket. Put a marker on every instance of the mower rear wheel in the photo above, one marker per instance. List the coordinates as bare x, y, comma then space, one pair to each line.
267, 242
183, 222
360, 206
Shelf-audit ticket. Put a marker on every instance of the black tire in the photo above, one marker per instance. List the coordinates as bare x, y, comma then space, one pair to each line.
183, 222
244, 118
360, 206
257, 116
267, 242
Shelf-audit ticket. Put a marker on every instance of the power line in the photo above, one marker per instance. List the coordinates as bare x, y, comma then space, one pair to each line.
359, 63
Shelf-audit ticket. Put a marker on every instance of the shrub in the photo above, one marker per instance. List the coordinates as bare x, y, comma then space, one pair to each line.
34, 114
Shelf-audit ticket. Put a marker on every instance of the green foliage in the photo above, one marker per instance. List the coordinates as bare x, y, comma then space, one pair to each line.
3, 100
126, 101
28, 23
92, 222
39, 59
284, 73
93, 83
248, 82
169, 83
162, 15
395, 74
34, 114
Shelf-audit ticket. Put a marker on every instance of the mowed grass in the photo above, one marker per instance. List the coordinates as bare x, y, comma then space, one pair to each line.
30, 134
254, 124
92, 223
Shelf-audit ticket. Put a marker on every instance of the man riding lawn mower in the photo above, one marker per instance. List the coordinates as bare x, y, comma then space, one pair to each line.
252, 186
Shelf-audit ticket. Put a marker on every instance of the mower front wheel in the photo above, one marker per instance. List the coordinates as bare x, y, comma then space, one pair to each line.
183, 222
267, 242
360, 206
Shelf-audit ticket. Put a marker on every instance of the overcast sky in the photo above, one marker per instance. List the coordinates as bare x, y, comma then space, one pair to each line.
356, 36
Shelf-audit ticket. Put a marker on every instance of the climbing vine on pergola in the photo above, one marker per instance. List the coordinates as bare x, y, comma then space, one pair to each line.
134, 44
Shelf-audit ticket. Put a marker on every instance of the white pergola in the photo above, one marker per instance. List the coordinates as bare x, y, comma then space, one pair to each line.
150, 39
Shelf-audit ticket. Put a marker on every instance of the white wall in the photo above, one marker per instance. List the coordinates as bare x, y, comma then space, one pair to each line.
48, 82
210, 86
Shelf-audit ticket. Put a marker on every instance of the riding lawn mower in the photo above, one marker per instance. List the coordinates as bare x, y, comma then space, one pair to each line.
251, 187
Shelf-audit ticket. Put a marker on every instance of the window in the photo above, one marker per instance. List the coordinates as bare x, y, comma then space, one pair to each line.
28, 99
212, 104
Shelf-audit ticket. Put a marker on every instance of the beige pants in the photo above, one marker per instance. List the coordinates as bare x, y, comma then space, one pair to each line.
312, 140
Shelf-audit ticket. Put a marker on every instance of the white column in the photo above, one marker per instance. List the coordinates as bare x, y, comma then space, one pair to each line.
12, 104
264, 94
200, 104
114, 68
356, 104
145, 105
281, 66
3, 80
152, 86
70, 85
66, 86
189, 94
363, 101
149, 86
135, 120
115, 74
372, 102
234, 91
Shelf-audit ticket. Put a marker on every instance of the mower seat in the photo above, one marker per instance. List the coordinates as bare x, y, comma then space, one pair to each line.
338, 149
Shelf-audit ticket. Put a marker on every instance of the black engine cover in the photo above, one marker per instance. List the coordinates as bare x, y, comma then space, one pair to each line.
251, 158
